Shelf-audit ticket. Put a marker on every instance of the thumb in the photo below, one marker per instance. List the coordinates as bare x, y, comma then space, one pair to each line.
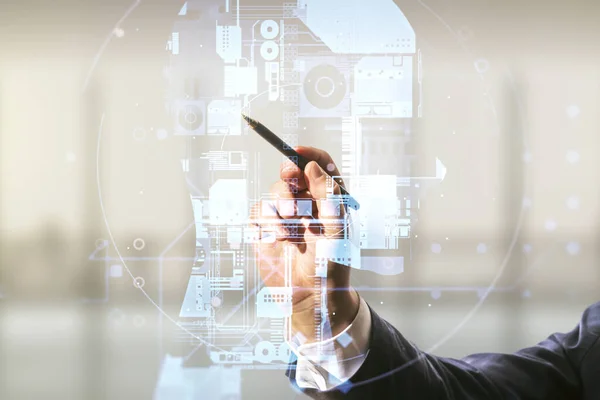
316, 180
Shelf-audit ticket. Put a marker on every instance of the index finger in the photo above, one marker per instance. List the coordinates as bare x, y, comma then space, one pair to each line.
321, 157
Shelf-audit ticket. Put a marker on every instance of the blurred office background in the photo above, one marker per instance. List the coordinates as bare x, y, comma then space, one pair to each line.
518, 209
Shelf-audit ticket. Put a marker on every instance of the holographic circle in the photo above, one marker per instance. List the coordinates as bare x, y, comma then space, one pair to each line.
451, 333
269, 50
269, 29
139, 244
482, 65
139, 282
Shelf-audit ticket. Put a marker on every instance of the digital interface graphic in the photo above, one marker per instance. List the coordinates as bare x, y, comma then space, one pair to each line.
157, 241
317, 74
314, 66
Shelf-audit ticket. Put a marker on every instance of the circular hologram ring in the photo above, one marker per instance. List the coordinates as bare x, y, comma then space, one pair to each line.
190, 117
269, 29
269, 50
481, 65
139, 244
139, 282
325, 86
265, 352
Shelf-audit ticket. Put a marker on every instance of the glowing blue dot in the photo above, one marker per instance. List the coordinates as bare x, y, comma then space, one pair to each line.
436, 248
527, 248
573, 202
573, 248
481, 248
572, 156
550, 225
436, 294
573, 111
161, 134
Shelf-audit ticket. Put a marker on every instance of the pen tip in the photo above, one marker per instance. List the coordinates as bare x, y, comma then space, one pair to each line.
249, 120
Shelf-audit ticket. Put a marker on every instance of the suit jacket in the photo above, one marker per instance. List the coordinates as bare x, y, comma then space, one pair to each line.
564, 366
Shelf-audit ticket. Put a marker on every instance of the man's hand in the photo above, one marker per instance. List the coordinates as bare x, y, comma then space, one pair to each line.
300, 238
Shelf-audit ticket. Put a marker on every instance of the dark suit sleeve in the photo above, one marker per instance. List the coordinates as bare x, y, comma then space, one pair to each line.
396, 369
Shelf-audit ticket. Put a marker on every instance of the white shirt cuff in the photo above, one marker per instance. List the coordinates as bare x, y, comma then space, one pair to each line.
329, 363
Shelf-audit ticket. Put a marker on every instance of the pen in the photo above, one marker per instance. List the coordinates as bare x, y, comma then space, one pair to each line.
290, 153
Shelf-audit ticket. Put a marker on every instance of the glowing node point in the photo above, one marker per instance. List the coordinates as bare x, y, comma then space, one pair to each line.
119, 32
573, 248
573, 202
573, 111
139, 282
572, 156
550, 225
436, 248
436, 294
481, 248
161, 134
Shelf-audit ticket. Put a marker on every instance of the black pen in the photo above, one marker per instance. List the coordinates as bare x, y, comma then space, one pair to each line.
290, 153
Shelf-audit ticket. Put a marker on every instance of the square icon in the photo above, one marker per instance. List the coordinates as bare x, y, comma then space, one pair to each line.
286, 207
304, 208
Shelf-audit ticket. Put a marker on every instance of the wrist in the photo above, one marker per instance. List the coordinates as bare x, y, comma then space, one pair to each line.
342, 308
